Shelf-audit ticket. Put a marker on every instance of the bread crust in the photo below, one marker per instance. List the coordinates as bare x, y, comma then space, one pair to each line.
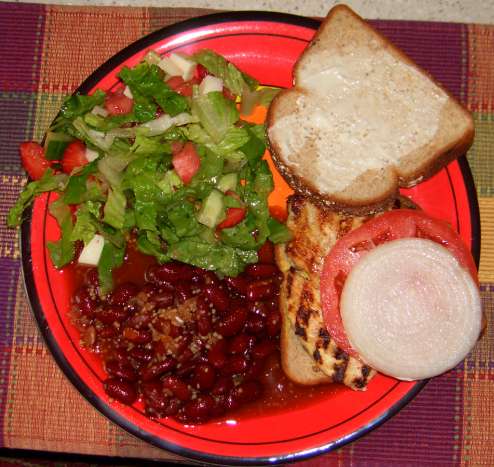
344, 201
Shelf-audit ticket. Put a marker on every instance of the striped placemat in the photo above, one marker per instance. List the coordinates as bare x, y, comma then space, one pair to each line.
45, 53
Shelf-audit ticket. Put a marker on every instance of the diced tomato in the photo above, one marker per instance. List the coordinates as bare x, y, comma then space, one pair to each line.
186, 162
278, 212
74, 156
116, 103
184, 88
201, 72
33, 159
233, 217
392, 225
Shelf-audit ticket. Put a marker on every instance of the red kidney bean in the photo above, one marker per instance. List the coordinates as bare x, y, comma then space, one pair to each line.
260, 290
139, 321
86, 304
185, 355
261, 271
273, 324
258, 308
237, 284
137, 336
217, 296
199, 409
120, 390
177, 387
273, 304
222, 386
266, 253
158, 369
210, 278
173, 407
120, 370
123, 293
183, 291
106, 332
232, 323
174, 272
204, 325
263, 349
217, 354
240, 343
110, 314
150, 289
255, 324
163, 299
141, 354
236, 364
204, 376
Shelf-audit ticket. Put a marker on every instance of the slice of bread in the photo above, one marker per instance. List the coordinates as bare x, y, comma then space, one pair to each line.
362, 119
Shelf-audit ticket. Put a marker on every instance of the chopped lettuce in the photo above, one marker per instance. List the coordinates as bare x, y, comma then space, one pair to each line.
111, 257
49, 182
114, 210
216, 113
62, 251
218, 66
134, 190
146, 82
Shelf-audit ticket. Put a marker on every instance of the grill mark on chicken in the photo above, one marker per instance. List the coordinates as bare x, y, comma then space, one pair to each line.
315, 230
303, 316
325, 339
300, 331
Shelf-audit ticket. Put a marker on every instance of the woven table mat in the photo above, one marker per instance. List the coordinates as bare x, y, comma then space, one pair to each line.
45, 53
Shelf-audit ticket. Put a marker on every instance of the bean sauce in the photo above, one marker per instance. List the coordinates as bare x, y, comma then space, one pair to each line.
186, 343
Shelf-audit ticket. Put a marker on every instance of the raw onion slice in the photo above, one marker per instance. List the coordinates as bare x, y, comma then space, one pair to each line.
410, 310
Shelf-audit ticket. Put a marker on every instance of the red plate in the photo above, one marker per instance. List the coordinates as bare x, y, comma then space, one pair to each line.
265, 45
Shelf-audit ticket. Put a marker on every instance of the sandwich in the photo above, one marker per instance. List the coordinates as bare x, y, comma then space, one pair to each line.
361, 121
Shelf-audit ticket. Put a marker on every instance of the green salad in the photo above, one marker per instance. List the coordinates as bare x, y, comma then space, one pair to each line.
164, 160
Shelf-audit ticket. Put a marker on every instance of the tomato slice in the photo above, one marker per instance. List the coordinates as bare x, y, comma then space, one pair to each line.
392, 225
116, 103
233, 217
186, 162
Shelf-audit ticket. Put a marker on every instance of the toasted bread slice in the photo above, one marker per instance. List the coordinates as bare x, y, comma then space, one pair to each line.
315, 230
362, 119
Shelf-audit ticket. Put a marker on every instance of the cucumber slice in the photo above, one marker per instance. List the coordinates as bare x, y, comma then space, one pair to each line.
55, 144
228, 182
212, 209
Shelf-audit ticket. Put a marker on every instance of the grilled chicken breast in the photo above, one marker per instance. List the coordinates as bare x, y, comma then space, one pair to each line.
309, 354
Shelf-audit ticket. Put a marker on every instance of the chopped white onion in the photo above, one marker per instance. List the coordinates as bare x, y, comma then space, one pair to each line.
410, 309
128, 93
186, 66
91, 253
169, 67
210, 84
91, 154
161, 124
98, 110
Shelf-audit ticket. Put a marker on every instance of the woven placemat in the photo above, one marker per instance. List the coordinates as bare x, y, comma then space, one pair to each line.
46, 52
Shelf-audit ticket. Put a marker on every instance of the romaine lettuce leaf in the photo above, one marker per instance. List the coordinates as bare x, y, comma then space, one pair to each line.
62, 251
48, 182
216, 113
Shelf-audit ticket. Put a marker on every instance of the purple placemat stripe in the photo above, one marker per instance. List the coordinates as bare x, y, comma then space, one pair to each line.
22, 28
